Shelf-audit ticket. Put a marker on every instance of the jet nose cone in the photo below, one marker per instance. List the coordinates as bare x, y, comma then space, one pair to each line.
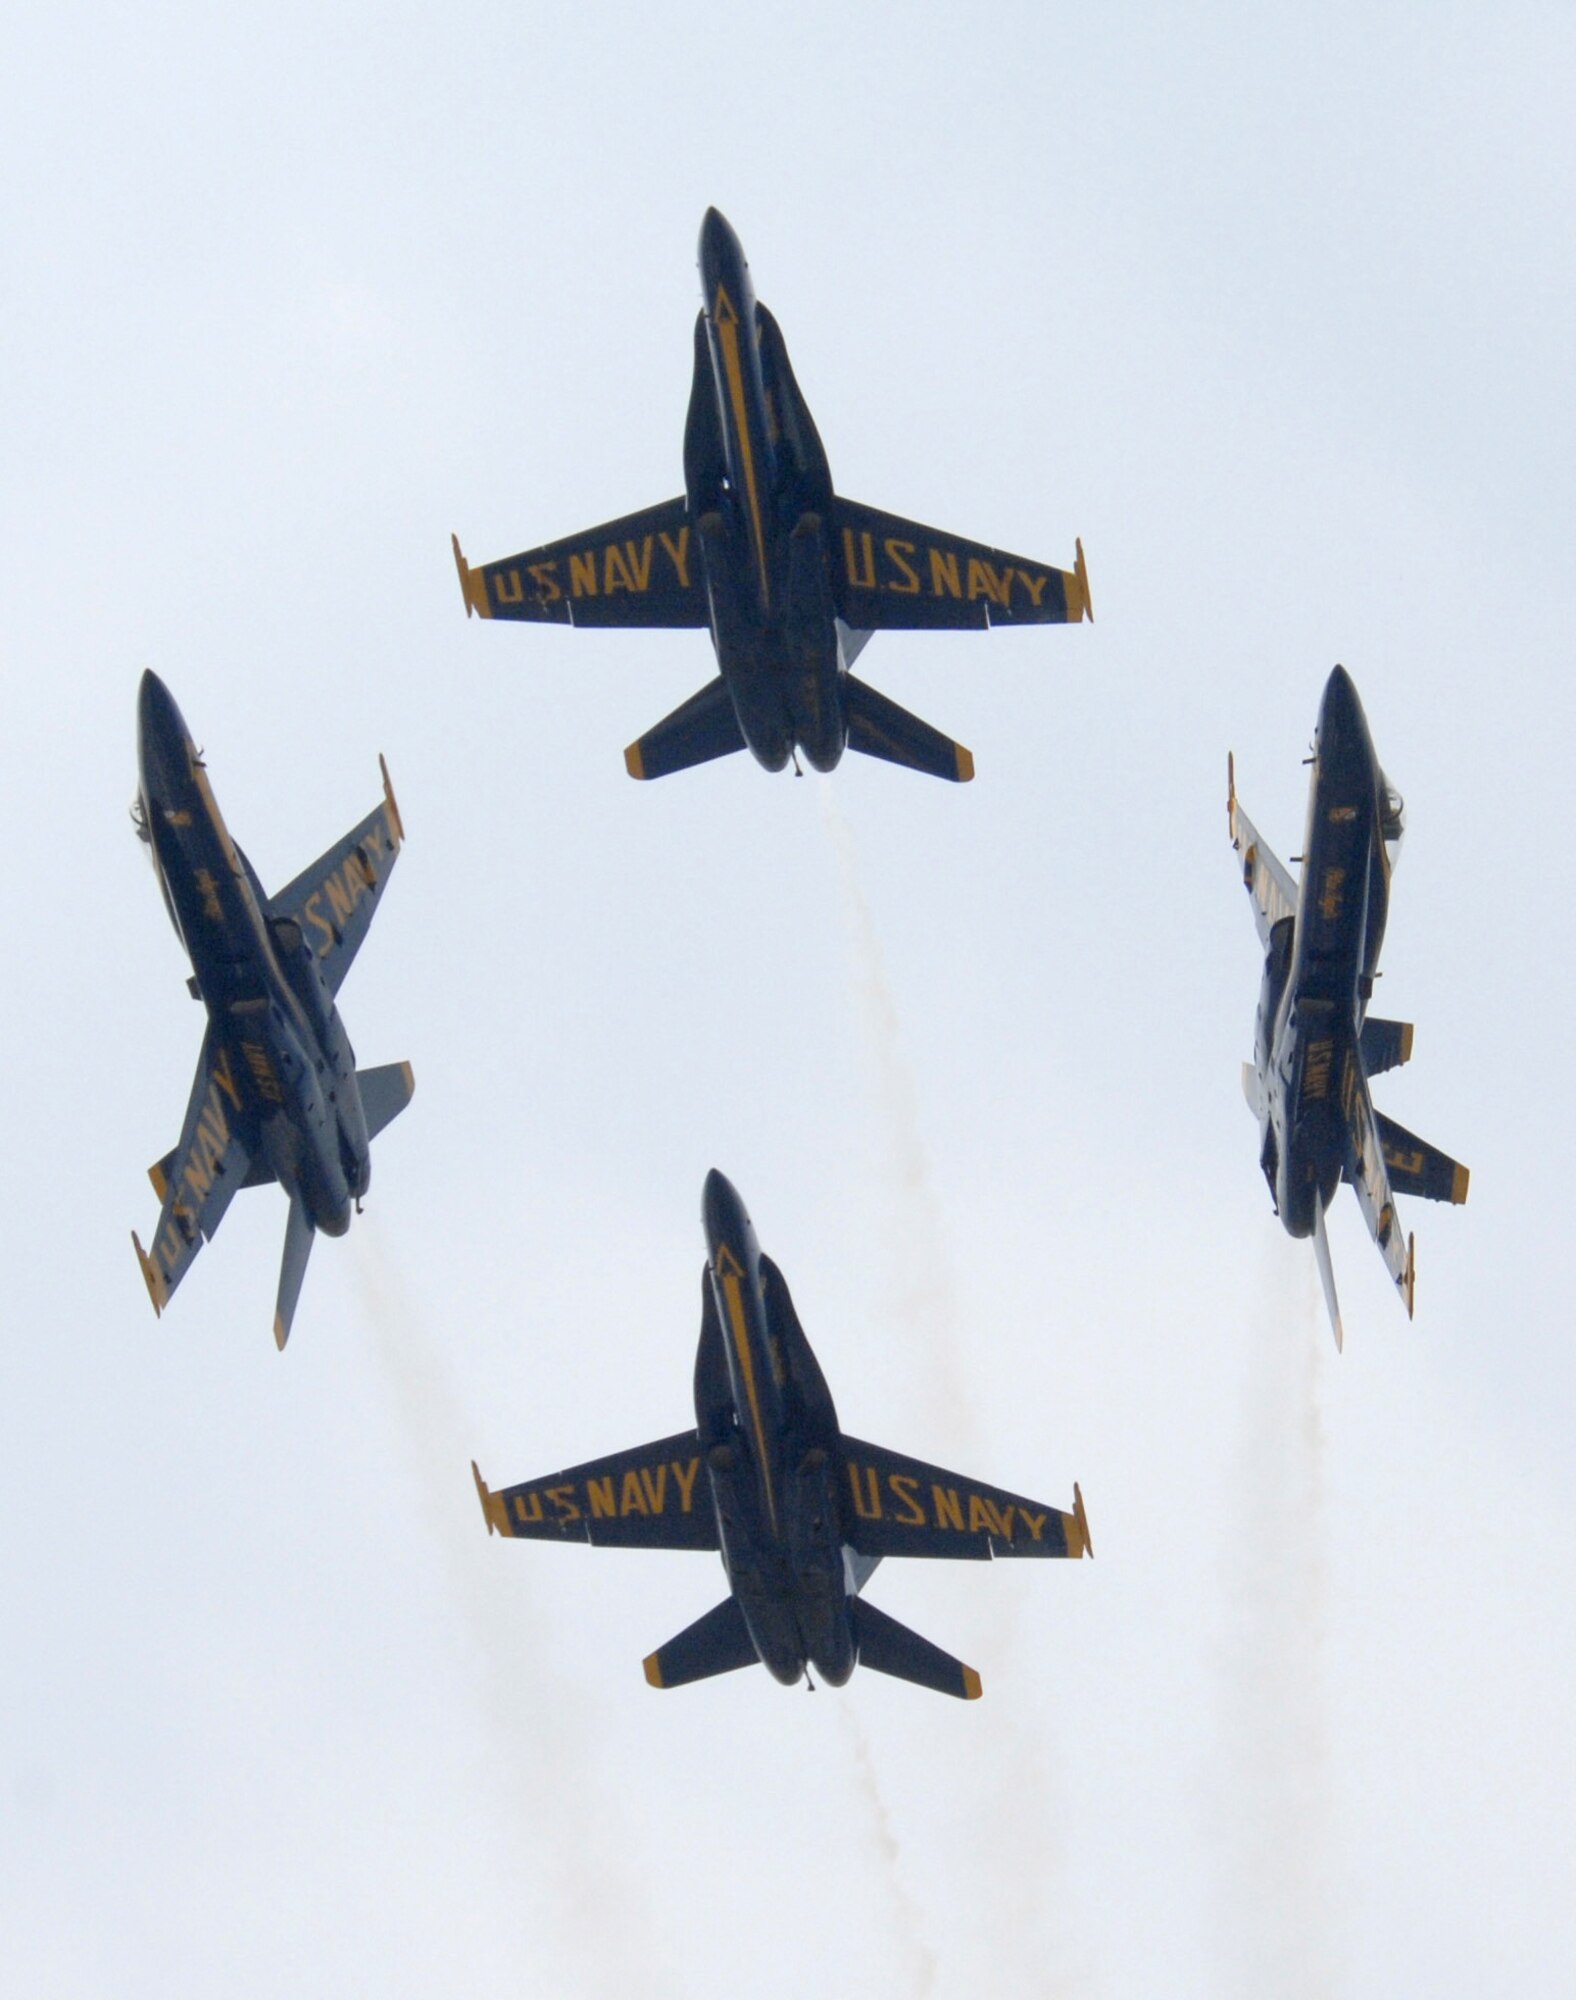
720, 249
160, 725
721, 1210
1343, 728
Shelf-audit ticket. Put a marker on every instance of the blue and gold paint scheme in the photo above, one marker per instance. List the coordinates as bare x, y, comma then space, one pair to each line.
277, 1096
799, 1512
790, 578
1315, 1044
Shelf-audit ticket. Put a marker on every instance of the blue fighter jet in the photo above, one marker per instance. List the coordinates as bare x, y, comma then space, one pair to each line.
800, 1512
791, 578
278, 1095
1315, 1044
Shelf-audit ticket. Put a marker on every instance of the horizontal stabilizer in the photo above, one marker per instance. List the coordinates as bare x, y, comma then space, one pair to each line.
879, 728
716, 1644
385, 1091
298, 1247
1415, 1167
1385, 1045
891, 1648
698, 730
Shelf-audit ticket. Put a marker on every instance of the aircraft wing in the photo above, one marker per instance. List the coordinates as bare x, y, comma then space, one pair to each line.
643, 569
1368, 1174
1264, 874
653, 1497
197, 1182
898, 1506
335, 899
892, 575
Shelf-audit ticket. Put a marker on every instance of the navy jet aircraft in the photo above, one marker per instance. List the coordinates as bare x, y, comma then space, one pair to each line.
800, 1512
1315, 1044
278, 1095
791, 578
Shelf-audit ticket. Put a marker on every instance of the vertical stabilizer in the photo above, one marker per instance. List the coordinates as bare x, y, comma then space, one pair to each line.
298, 1247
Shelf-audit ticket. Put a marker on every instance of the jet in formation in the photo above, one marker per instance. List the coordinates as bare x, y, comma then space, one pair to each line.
1315, 1044
800, 1512
791, 578
278, 1096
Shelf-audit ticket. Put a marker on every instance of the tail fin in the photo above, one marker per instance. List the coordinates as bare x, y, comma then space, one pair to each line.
699, 729
298, 1247
385, 1091
1385, 1044
893, 1649
879, 728
715, 1644
1321, 1250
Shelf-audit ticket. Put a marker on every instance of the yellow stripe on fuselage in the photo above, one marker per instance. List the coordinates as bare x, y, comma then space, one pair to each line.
727, 325
741, 1341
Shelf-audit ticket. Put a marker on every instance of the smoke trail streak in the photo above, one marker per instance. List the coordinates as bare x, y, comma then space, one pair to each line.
1012, 1774
1276, 1893
569, 1825
905, 1912
919, 1279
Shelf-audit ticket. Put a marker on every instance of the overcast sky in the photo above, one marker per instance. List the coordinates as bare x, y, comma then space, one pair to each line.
1274, 307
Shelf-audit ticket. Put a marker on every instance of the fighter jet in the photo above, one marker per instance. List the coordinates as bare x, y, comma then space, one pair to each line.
800, 1512
278, 1095
1315, 1044
791, 578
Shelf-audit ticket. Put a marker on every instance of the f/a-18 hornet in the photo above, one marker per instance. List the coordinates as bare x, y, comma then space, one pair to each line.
791, 578
800, 1512
278, 1095
1315, 1044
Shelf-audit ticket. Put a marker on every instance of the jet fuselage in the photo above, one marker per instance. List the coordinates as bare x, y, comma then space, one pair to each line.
759, 490
285, 1049
1321, 964
771, 1444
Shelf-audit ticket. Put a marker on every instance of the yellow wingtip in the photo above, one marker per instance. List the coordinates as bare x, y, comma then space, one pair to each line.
160, 1184
1459, 1182
1411, 1277
1082, 1519
653, 1666
1406, 1041
634, 763
152, 1277
965, 763
473, 584
483, 1494
972, 1689
1081, 571
391, 802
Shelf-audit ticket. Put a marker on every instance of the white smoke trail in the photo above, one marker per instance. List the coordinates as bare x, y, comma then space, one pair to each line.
919, 1279
1276, 1892
905, 1913
1012, 1776
569, 1826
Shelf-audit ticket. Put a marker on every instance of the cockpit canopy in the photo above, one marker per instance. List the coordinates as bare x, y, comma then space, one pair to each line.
1392, 819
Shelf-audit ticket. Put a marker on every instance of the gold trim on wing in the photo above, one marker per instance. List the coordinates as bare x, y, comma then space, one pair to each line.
972, 1689
1086, 1541
153, 1277
494, 1511
473, 584
395, 822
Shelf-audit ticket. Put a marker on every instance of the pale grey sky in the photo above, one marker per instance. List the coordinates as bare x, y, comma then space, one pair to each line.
1273, 307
